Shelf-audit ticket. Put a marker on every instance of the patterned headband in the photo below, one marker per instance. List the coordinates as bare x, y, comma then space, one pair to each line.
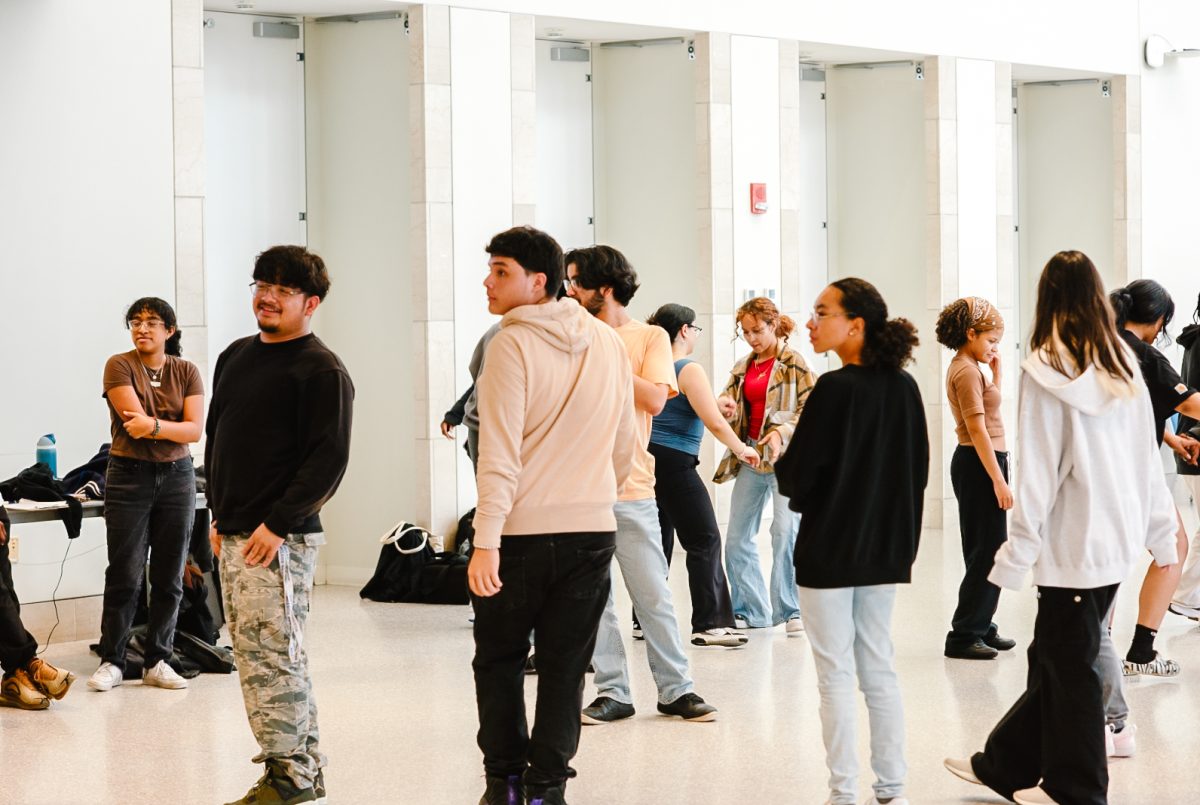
984, 315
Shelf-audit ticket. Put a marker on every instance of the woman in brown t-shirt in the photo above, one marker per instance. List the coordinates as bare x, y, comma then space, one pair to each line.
978, 470
156, 405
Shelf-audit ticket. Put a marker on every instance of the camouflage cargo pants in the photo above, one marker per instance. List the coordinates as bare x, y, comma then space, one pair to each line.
267, 608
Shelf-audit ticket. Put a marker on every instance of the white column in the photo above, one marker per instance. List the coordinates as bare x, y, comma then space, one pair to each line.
187, 72
1127, 177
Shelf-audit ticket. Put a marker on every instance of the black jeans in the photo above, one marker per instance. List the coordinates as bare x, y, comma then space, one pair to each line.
557, 584
984, 528
1055, 731
684, 508
149, 508
17, 646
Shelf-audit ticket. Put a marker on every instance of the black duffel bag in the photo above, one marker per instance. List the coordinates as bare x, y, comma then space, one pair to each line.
409, 571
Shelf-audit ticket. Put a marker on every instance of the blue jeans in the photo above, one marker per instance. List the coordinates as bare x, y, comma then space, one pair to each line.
149, 508
850, 630
644, 567
751, 490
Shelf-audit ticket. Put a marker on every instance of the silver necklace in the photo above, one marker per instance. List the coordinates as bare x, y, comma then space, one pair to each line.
155, 376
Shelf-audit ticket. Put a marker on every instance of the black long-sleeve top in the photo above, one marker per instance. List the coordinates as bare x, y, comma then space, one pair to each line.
278, 434
856, 470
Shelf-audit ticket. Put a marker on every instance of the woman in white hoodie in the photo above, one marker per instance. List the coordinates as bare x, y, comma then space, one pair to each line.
1080, 523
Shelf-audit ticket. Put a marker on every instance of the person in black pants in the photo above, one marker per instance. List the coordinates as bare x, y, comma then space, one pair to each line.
684, 507
556, 441
29, 681
1079, 527
978, 470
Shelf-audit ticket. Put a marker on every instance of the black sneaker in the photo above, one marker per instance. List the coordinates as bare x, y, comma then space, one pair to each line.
504, 791
604, 710
554, 795
689, 707
993, 639
977, 650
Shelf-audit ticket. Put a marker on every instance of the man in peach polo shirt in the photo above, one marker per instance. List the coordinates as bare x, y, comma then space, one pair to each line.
603, 282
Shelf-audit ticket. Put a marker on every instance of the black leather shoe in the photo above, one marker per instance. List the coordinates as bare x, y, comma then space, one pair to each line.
689, 707
993, 639
605, 710
971, 651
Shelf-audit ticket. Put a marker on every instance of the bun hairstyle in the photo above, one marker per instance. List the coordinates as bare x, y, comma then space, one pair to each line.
764, 310
1142, 302
961, 315
887, 343
672, 318
1073, 321
160, 308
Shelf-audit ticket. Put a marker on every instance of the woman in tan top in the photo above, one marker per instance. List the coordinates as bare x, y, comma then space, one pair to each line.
978, 470
156, 405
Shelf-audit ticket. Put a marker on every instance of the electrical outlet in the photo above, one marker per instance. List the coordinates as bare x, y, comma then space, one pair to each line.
14, 548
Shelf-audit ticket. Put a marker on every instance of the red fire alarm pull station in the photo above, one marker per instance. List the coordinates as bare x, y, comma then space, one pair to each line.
758, 198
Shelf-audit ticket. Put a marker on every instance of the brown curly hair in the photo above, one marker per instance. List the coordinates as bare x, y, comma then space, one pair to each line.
764, 310
958, 317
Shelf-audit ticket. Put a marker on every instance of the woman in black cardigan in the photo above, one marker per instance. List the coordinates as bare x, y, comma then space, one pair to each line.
856, 471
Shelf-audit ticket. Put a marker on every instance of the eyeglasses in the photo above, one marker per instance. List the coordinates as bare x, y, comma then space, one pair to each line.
696, 329
145, 324
278, 291
817, 318
573, 282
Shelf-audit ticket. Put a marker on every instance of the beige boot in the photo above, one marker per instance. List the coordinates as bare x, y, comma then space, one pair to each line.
19, 691
54, 682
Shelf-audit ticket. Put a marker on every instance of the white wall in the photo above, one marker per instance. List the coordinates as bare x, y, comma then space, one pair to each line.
645, 134
1171, 160
254, 137
565, 203
754, 89
481, 146
358, 193
1084, 34
877, 195
1065, 189
87, 224
814, 213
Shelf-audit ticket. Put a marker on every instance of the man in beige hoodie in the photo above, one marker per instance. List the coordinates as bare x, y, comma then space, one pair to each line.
556, 443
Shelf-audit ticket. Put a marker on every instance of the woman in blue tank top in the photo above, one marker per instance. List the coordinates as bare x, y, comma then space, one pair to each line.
683, 503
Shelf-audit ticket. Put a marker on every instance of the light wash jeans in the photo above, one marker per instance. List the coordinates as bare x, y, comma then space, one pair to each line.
1188, 591
1112, 675
850, 630
748, 591
640, 555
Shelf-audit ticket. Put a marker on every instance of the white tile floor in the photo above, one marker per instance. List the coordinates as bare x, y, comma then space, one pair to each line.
398, 717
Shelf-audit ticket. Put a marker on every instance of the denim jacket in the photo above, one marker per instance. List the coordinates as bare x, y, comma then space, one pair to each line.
791, 381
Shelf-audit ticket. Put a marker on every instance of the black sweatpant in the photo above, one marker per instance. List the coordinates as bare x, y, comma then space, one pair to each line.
984, 528
17, 646
1055, 731
556, 584
684, 508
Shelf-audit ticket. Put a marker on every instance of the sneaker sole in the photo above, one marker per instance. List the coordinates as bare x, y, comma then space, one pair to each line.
164, 685
968, 777
720, 642
1176, 609
593, 722
100, 687
694, 719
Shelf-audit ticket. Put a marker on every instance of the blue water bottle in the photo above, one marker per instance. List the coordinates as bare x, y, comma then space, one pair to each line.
47, 453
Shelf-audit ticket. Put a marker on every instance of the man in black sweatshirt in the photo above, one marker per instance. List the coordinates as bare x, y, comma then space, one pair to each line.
278, 443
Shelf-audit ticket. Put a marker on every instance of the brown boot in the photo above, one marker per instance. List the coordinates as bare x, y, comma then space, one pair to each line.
19, 691
54, 682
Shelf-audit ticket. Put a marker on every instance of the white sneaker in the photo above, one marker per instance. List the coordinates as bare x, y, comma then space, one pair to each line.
740, 623
719, 637
1120, 744
794, 627
1034, 796
1184, 610
106, 677
961, 769
163, 675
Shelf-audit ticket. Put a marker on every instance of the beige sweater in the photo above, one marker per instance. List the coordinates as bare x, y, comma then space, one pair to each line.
556, 424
